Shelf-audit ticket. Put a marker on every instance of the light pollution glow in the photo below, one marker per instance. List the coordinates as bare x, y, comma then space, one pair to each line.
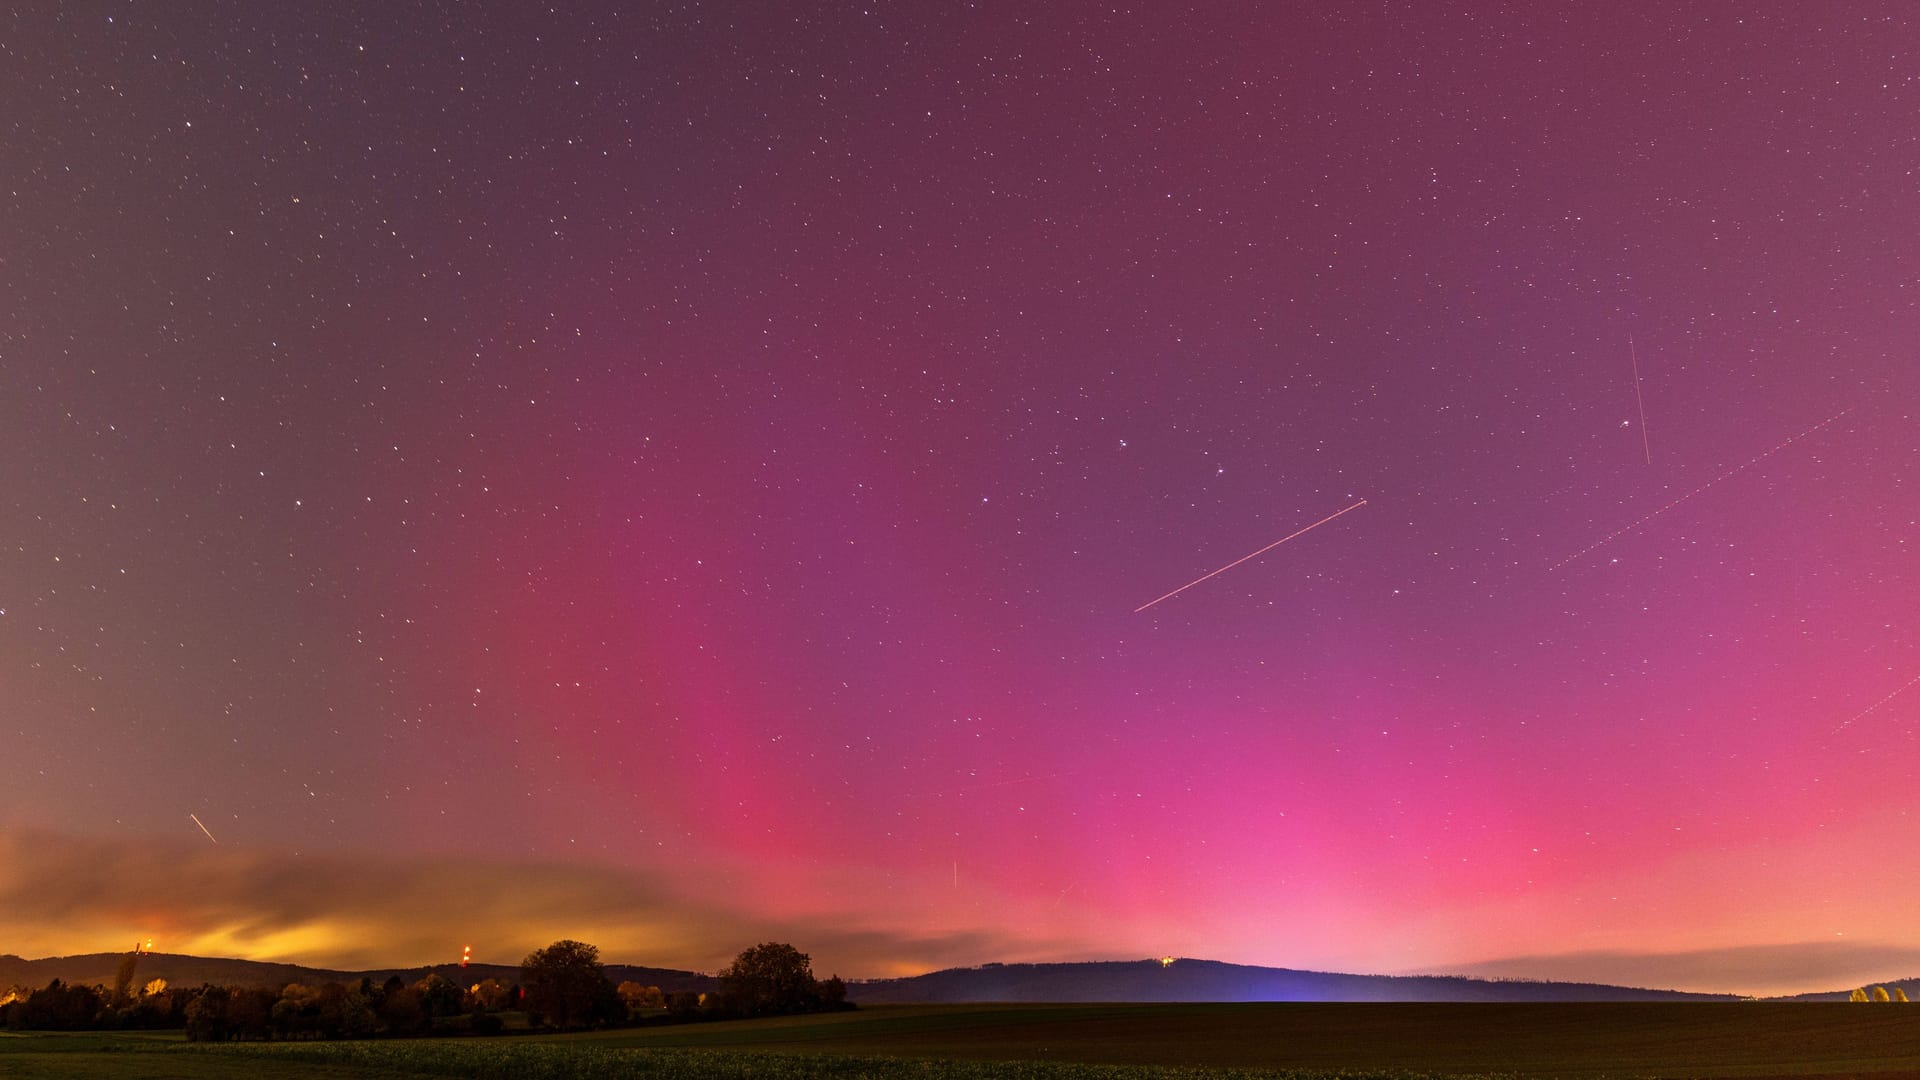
616, 475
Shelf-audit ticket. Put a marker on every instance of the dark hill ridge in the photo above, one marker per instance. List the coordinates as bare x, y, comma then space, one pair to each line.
1212, 980
1094, 981
179, 971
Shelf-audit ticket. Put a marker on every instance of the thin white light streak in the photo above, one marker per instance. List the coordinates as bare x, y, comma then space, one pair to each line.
203, 828
1904, 687
1645, 446
1244, 558
1740, 468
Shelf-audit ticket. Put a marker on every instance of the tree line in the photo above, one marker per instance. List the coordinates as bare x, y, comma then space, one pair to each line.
563, 986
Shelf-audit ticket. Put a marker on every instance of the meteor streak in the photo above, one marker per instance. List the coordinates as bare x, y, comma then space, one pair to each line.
1244, 558
203, 828
1736, 470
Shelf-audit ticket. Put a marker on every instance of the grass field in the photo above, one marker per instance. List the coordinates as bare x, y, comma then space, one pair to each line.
1083, 1042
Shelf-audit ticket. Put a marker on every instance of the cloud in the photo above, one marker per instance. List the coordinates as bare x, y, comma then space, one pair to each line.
1792, 968
63, 894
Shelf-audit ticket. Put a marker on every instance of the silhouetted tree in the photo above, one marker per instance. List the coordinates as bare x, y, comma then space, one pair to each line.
438, 996
565, 985
402, 1012
770, 979
640, 999
345, 1013
297, 1013
58, 1006
608, 1009
207, 1015
833, 994
490, 994
154, 1009
683, 1006
250, 1012
123, 978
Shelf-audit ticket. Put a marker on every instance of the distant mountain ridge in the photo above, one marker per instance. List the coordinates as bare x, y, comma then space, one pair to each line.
1181, 980
1214, 980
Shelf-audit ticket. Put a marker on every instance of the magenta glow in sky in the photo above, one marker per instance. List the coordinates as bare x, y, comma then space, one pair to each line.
683, 477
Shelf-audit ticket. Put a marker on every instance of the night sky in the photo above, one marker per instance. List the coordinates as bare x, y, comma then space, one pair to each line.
678, 476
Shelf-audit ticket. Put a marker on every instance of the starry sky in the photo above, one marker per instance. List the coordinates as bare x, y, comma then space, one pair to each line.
680, 475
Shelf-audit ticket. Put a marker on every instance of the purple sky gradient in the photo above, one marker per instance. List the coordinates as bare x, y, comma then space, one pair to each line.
710, 455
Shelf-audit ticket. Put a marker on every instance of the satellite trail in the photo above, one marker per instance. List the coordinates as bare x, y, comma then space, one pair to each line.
1244, 558
203, 828
1904, 687
1737, 469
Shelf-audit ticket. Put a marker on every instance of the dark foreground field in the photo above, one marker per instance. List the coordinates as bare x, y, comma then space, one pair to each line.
1084, 1042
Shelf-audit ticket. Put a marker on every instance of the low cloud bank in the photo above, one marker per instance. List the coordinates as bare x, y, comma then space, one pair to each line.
1793, 968
63, 895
